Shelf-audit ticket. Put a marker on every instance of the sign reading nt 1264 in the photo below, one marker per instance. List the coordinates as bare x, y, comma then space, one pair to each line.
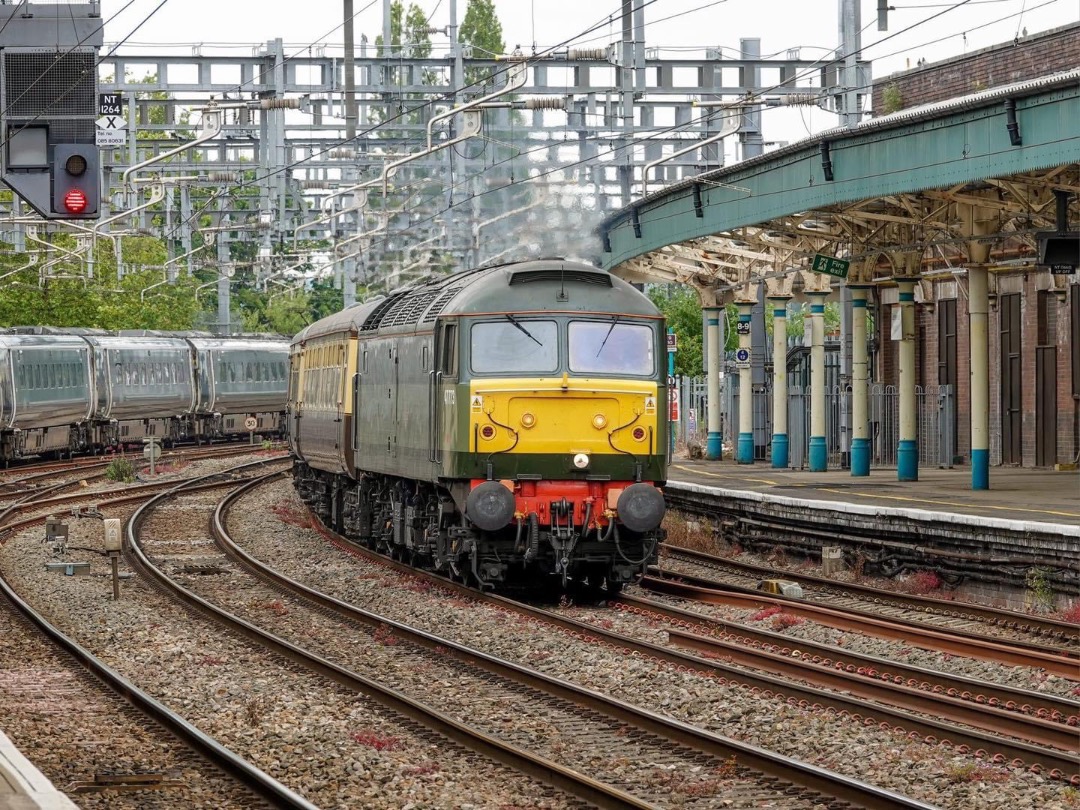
830, 266
110, 104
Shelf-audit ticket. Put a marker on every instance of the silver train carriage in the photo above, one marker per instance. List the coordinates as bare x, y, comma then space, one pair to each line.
46, 394
237, 378
79, 390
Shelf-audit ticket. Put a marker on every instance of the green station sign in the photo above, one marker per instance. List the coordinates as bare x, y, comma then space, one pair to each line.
830, 265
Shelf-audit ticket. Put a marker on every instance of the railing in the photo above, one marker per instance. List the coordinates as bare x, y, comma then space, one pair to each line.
935, 409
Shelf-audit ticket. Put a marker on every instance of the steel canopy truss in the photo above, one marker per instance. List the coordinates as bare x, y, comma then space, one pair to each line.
912, 194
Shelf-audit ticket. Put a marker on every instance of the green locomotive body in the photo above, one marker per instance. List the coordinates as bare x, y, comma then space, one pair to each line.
505, 425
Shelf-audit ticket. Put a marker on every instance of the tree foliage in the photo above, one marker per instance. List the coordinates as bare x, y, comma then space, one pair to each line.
482, 32
408, 40
64, 295
682, 309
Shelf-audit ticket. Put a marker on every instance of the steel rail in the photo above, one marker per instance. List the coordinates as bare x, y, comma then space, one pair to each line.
264, 785
704, 590
523, 761
1009, 618
1025, 700
767, 762
134, 494
1016, 751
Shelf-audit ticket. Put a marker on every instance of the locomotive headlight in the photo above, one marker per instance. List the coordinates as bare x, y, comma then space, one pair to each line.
599, 421
581, 460
527, 420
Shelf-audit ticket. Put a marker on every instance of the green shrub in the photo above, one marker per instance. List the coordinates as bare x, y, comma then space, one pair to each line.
120, 469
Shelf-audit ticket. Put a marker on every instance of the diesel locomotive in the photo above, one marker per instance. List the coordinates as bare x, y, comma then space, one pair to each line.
68, 391
504, 425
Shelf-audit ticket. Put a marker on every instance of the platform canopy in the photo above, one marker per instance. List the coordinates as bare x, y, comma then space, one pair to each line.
918, 193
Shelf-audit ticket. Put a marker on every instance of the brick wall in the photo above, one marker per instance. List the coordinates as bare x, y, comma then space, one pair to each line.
1031, 57
1068, 406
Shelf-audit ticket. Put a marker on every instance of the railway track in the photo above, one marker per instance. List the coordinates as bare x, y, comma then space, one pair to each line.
1050, 723
951, 614
175, 764
1058, 661
592, 724
1045, 726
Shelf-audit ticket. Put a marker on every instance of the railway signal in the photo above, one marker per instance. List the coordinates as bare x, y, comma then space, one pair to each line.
75, 187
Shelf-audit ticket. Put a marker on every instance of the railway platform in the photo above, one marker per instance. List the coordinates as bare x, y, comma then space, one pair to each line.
24, 787
1029, 521
1048, 499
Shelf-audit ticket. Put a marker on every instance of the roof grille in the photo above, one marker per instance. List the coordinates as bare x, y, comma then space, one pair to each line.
409, 309
581, 276
440, 304
56, 90
375, 318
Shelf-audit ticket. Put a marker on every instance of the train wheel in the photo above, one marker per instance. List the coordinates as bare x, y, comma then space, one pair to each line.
613, 588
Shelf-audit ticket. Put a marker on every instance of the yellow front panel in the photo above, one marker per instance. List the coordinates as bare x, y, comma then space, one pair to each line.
549, 418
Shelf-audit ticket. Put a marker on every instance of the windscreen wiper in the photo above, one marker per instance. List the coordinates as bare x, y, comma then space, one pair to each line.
528, 334
604, 342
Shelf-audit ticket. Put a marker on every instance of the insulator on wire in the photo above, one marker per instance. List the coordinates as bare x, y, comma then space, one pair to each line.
347, 154
799, 100
309, 184
279, 104
586, 53
545, 103
223, 177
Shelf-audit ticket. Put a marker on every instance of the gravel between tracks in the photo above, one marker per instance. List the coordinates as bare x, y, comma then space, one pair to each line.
303, 734
938, 775
337, 748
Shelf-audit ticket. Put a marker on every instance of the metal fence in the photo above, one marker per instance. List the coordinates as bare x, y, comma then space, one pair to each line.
935, 407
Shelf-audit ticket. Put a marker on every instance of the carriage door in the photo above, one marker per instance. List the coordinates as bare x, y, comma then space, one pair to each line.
294, 398
1046, 381
1012, 380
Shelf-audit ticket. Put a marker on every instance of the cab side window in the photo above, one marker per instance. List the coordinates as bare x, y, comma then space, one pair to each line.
448, 360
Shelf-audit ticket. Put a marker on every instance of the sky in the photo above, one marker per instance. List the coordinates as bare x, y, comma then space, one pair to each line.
937, 29
921, 29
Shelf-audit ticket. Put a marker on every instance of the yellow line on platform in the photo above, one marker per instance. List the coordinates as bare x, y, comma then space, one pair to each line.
969, 505
727, 475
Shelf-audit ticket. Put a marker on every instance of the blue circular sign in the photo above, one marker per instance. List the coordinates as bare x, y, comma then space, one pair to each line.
742, 355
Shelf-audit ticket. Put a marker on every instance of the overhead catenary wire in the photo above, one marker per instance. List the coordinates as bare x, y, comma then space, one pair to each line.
611, 151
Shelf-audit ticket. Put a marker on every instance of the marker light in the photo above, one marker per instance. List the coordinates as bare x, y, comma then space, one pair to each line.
581, 461
599, 421
487, 432
527, 420
638, 433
